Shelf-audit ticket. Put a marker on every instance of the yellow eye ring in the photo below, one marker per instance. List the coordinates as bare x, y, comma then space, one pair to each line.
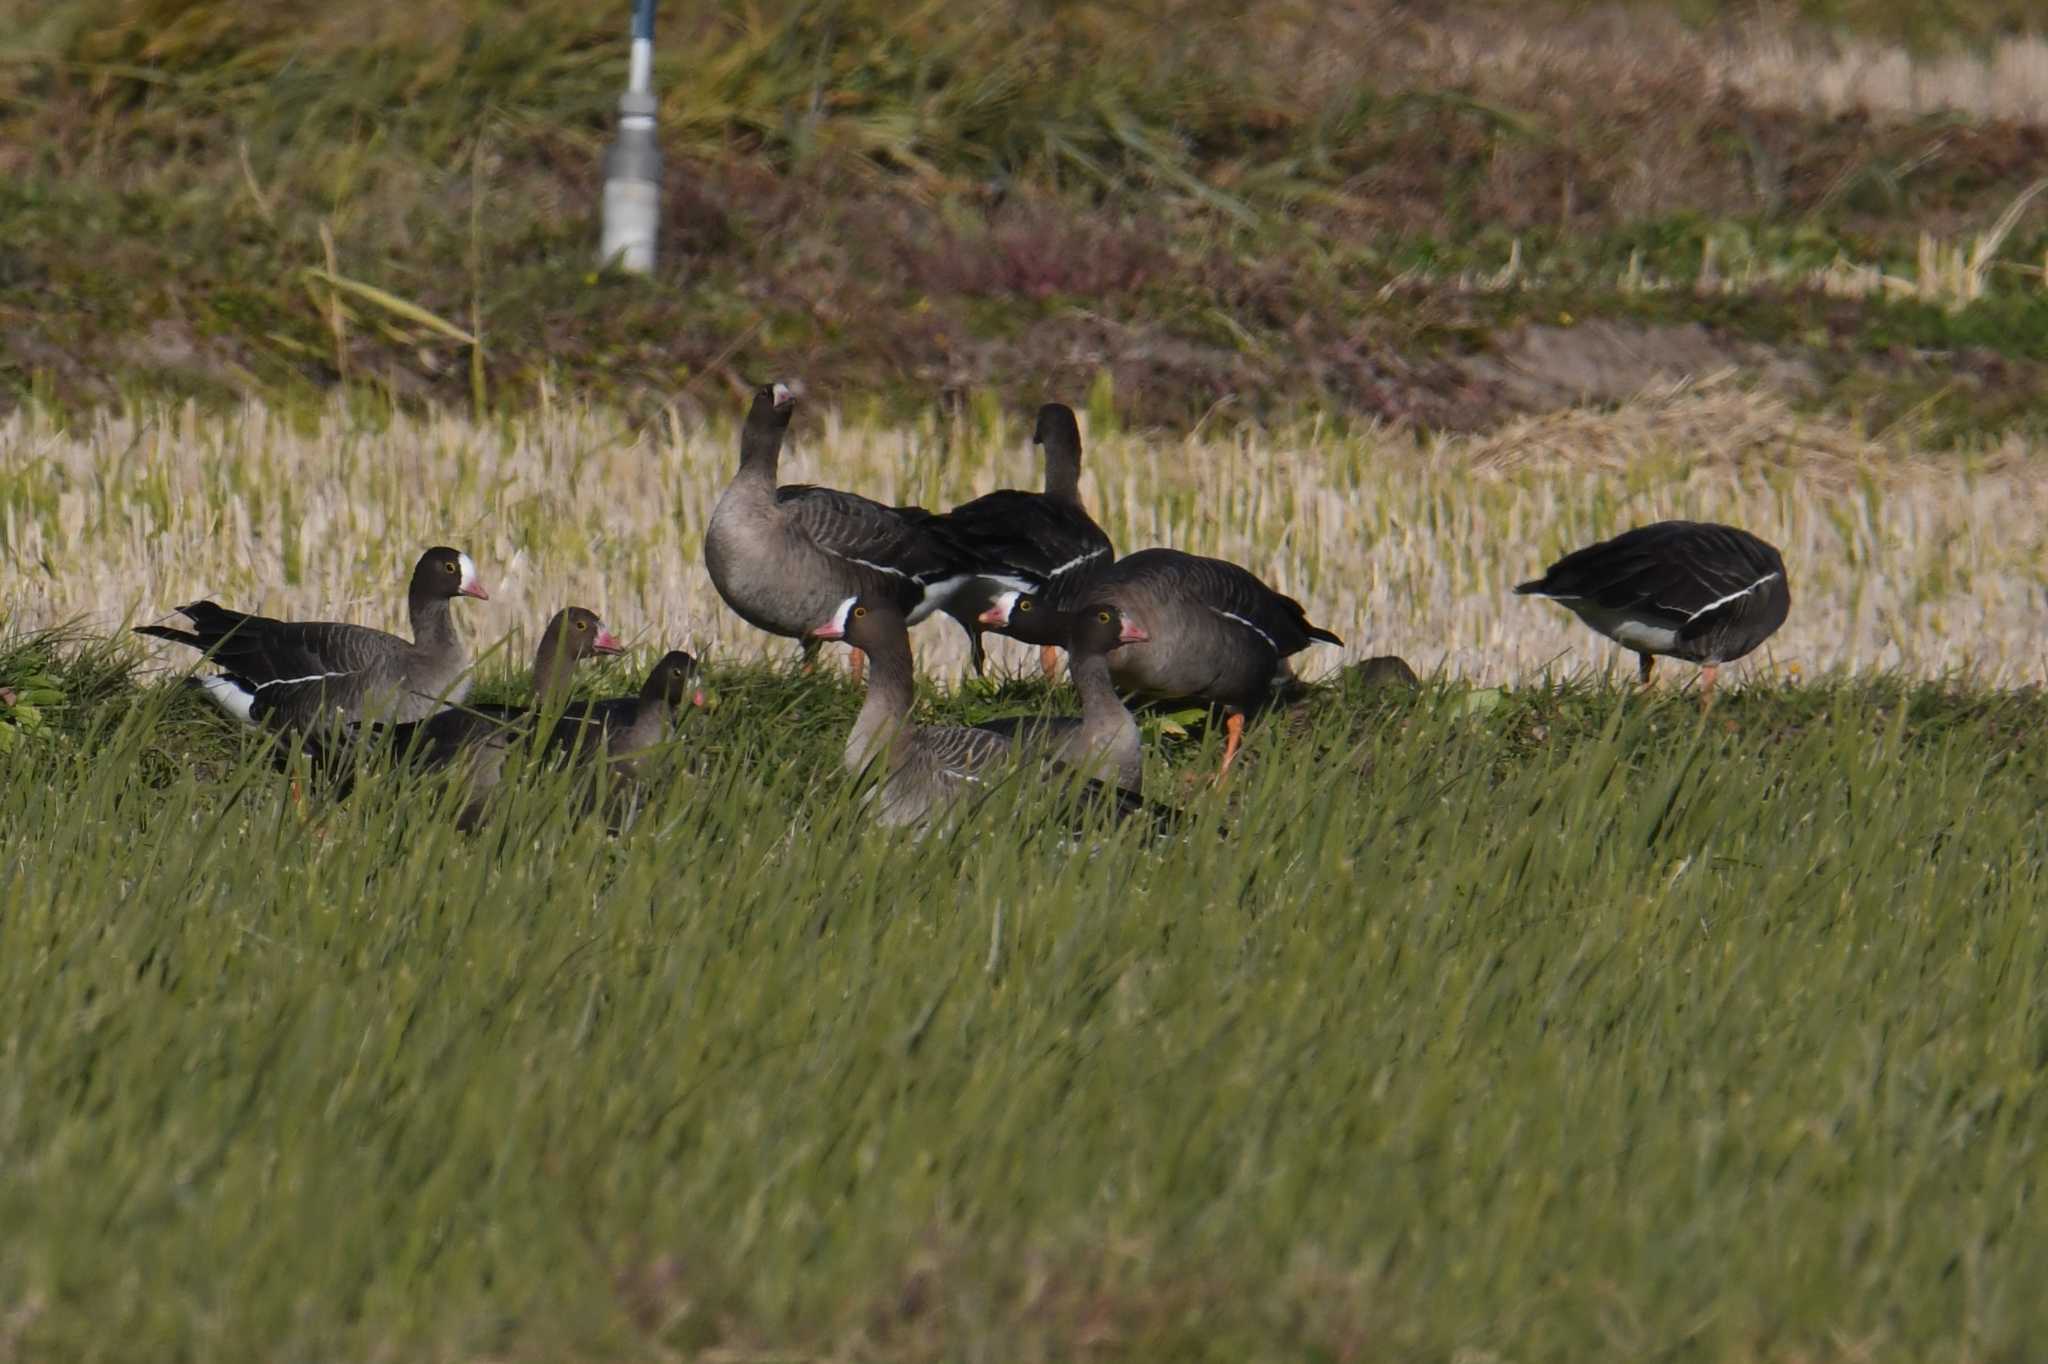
1102, 616
859, 611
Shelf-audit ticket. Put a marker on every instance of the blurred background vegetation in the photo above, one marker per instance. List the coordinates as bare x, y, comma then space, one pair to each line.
1376, 210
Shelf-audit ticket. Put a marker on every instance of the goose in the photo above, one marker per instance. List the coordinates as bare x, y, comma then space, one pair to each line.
1706, 593
1104, 739
927, 770
1213, 631
478, 734
783, 557
618, 730
1042, 543
296, 675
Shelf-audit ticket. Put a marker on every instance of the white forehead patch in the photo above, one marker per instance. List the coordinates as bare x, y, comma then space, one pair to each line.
1006, 602
839, 616
468, 569
783, 395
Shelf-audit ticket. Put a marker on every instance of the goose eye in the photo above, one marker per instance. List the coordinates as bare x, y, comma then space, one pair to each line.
859, 611
1024, 605
583, 625
1102, 616
447, 568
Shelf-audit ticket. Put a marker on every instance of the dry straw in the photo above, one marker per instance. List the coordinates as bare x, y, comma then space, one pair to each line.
1898, 562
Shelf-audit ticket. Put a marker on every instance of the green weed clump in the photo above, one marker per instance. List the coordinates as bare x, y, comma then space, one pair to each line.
1571, 1025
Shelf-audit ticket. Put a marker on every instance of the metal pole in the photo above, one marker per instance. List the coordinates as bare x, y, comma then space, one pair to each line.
632, 164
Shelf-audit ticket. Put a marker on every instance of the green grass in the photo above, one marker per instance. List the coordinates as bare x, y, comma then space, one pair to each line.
1546, 1025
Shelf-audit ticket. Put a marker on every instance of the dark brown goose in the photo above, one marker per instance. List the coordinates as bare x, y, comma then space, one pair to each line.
1044, 544
477, 741
1104, 739
1689, 589
295, 675
476, 736
1214, 633
783, 558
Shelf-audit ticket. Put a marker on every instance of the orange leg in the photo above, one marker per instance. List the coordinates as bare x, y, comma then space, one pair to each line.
860, 665
1049, 660
1233, 738
1649, 661
1707, 684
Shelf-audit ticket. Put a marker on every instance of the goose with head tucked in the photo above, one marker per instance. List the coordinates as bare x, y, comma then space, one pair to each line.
1694, 590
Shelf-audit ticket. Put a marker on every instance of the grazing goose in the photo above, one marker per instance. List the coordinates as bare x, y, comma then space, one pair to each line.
296, 675
1044, 544
783, 558
1691, 589
1104, 739
1213, 633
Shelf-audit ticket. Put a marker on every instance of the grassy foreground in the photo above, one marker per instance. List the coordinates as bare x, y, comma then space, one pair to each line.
1534, 1026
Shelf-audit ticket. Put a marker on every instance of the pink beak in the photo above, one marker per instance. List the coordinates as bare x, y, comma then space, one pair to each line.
607, 642
697, 698
828, 631
995, 615
1132, 633
476, 590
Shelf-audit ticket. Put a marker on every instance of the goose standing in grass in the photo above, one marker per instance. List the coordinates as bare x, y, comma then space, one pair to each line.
783, 557
296, 675
1689, 589
1214, 633
926, 770
1103, 740
1042, 543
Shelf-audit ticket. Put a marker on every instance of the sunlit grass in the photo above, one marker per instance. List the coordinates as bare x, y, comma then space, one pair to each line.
1569, 1026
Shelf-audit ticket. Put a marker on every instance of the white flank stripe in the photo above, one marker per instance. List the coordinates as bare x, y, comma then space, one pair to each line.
1232, 615
936, 595
1720, 602
294, 681
223, 692
879, 568
1075, 563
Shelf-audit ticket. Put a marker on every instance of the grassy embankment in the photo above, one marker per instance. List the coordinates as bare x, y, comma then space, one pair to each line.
1291, 209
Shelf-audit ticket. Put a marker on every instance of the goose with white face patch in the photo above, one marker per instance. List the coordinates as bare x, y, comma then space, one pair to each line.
295, 675
1214, 633
1706, 593
783, 557
1015, 541
1103, 740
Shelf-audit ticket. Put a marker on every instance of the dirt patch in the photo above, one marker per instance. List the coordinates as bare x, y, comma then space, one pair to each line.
1536, 368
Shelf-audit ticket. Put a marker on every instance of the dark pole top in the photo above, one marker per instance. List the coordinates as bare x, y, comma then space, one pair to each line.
643, 19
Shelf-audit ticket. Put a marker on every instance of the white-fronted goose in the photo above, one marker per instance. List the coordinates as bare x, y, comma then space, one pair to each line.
1690, 589
1104, 739
1044, 544
784, 557
477, 735
298, 674
1214, 633
624, 727
926, 770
